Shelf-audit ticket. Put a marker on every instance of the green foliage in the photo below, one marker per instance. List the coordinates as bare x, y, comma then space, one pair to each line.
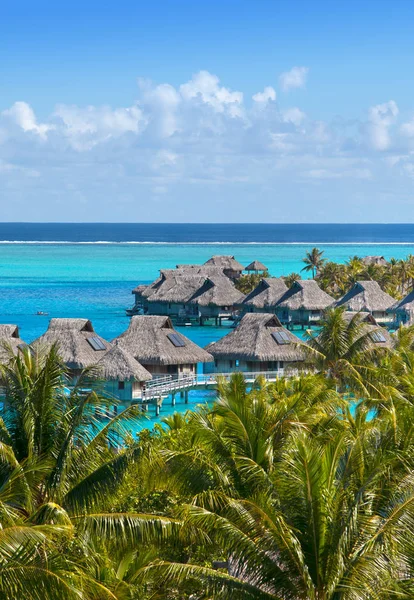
297, 489
247, 283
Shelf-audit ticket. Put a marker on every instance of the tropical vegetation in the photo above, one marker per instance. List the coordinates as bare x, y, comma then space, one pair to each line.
297, 489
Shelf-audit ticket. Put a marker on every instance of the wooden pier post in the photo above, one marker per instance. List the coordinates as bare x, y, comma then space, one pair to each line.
186, 397
173, 399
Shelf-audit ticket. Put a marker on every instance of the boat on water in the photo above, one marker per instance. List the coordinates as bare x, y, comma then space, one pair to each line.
41, 313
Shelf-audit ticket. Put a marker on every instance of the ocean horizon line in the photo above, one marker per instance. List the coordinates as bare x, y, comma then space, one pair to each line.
186, 243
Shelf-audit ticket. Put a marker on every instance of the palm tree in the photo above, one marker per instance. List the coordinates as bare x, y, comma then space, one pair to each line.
59, 466
343, 351
331, 521
291, 278
313, 261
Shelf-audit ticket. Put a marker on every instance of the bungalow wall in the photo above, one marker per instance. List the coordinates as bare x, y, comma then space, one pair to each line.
227, 365
299, 317
170, 309
383, 317
124, 390
174, 370
213, 311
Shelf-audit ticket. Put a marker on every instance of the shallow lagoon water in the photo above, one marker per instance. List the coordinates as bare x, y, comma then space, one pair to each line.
94, 281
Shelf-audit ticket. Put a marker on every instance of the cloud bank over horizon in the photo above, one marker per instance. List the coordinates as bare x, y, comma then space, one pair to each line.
201, 151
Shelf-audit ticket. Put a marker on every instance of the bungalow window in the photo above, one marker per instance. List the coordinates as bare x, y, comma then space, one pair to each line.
121, 385
216, 363
237, 363
231, 364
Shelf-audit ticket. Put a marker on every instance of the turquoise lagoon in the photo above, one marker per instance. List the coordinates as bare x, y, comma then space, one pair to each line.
95, 280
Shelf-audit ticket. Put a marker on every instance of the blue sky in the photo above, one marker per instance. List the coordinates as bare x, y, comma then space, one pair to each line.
207, 111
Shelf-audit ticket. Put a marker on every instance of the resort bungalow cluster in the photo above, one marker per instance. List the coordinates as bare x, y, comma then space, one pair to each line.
195, 293
200, 294
151, 350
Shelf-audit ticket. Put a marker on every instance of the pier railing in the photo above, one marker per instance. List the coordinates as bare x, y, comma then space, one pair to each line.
165, 386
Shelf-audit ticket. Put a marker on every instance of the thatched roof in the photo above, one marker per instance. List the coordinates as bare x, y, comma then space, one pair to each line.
217, 291
405, 305
9, 339
118, 364
147, 339
306, 295
267, 293
365, 317
366, 296
72, 337
371, 325
380, 337
375, 260
140, 288
256, 265
224, 262
177, 288
252, 340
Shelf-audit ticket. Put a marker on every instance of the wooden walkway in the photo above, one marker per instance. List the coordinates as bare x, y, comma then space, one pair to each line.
163, 387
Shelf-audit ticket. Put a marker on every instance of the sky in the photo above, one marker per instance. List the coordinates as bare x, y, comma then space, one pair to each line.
220, 111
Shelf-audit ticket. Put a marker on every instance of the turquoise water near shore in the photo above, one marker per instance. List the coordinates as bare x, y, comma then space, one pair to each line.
94, 281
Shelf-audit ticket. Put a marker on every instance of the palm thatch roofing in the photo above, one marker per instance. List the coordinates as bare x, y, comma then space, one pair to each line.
119, 365
224, 262
252, 340
147, 339
369, 324
140, 288
71, 337
375, 260
405, 305
305, 295
366, 296
217, 291
267, 293
9, 340
256, 265
166, 288
176, 288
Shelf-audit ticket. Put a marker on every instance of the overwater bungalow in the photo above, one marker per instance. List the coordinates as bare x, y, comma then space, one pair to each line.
256, 267
379, 336
403, 311
189, 295
379, 261
124, 377
265, 296
303, 303
10, 342
367, 296
154, 343
259, 343
216, 299
230, 266
78, 343
171, 293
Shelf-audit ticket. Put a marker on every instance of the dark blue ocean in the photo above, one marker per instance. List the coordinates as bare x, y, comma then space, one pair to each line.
239, 233
89, 269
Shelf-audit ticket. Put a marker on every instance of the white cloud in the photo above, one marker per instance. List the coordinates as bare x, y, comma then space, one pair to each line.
293, 115
295, 78
205, 86
381, 117
23, 115
268, 95
198, 140
162, 101
86, 127
407, 129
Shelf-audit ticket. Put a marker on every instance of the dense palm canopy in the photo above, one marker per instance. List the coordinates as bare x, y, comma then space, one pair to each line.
297, 489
